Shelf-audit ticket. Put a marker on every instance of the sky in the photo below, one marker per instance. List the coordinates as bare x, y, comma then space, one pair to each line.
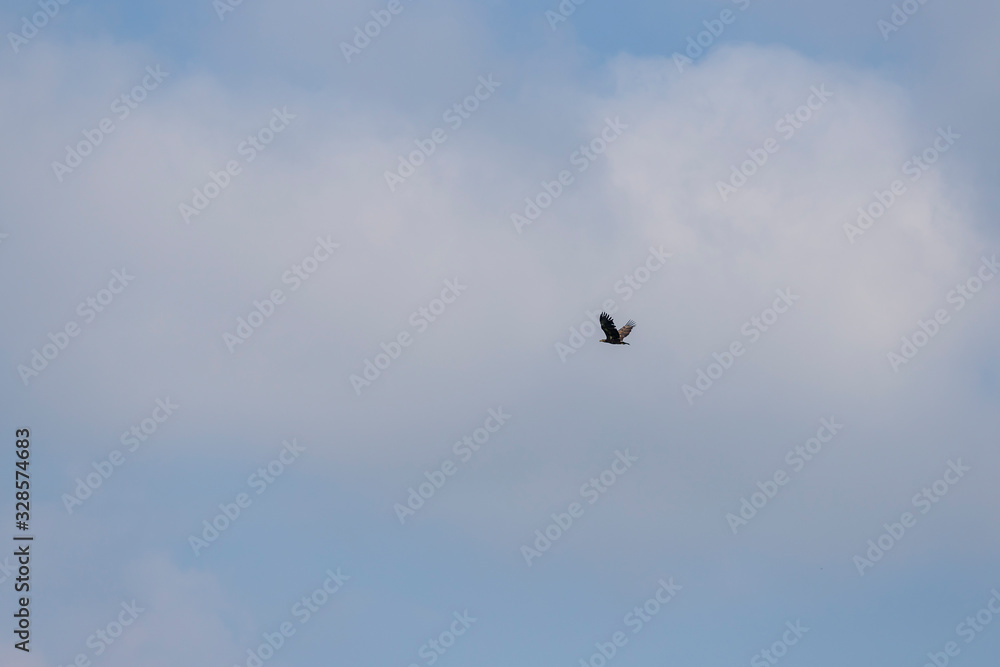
301, 326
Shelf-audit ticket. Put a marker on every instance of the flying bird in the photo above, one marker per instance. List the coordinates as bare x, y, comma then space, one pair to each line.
612, 335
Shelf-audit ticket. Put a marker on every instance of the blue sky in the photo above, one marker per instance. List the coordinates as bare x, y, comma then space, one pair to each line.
230, 244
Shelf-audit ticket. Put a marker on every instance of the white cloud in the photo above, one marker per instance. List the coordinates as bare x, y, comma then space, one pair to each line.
495, 345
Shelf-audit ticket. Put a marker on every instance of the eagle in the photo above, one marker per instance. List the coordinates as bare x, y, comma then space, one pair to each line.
612, 335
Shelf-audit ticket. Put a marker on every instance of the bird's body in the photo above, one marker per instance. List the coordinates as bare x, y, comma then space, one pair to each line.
611, 334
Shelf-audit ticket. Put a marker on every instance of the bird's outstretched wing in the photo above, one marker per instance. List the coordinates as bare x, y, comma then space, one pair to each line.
626, 330
608, 325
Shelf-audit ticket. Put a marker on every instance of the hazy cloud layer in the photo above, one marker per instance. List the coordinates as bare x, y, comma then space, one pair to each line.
804, 232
